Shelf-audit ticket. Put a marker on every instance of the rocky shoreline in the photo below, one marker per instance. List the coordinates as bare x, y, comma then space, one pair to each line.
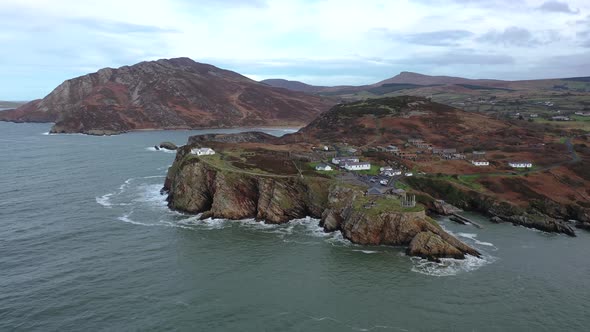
498, 212
196, 186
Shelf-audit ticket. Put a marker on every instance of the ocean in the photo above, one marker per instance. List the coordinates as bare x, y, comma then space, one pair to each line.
87, 243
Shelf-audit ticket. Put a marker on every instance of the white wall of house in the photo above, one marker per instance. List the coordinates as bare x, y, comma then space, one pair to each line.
323, 168
338, 160
520, 164
480, 163
357, 167
203, 151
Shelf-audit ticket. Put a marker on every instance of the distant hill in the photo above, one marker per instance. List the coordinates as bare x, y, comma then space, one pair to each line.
11, 104
420, 79
166, 94
293, 85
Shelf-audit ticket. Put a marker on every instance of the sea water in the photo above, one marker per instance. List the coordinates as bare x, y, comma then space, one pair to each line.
87, 243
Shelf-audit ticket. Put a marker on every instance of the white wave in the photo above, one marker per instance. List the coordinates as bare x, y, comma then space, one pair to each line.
47, 134
367, 251
449, 266
150, 193
105, 200
473, 236
126, 218
153, 149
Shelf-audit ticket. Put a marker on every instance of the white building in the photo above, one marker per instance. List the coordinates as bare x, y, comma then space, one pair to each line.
344, 160
409, 174
323, 167
520, 164
357, 166
480, 162
386, 168
392, 172
202, 151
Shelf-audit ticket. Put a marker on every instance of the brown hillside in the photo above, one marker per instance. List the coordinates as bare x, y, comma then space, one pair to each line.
167, 94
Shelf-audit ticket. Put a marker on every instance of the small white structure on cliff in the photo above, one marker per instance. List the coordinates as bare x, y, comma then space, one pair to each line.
480, 162
202, 151
323, 167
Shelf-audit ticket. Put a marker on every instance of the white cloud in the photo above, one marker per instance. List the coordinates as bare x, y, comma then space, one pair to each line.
327, 41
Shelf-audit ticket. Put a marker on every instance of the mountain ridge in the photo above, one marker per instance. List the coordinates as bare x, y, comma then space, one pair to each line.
176, 93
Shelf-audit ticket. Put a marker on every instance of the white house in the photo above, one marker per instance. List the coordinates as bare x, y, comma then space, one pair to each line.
357, 166
323, 167
343, 160
202, 151
480, 162
392, 148
386, 168
409, 174
392, 172
520, 164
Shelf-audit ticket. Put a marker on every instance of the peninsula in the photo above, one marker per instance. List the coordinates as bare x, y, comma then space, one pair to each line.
373, 169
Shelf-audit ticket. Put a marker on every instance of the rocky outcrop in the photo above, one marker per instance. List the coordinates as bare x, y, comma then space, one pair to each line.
168, 146
166, 94
443, 208
246, 137
499, 211
196, 186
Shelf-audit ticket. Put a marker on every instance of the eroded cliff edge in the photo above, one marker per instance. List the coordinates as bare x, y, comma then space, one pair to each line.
205, 185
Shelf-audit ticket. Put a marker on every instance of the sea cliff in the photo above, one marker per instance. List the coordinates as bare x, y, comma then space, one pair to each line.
207, 186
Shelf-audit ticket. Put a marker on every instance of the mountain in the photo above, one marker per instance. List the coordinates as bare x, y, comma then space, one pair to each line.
420, 79
293, 85
166, 94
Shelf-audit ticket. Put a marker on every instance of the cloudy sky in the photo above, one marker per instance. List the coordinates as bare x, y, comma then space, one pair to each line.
324, 42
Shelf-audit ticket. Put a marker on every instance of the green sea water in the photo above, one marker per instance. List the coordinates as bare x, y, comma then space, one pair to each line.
87, 243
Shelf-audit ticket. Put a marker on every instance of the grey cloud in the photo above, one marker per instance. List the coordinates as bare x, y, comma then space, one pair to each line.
557, 7
584, 36
433, 38
438, 38
510, 36
460, 57
574, 65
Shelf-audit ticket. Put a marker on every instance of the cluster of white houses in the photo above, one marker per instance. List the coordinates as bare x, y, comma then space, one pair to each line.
351, 163
348, 163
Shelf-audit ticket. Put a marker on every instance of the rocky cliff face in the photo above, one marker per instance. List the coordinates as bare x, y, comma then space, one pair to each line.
196, 186
542, 217
166, 94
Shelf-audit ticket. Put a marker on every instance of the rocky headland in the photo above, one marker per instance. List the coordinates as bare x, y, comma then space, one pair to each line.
212, 187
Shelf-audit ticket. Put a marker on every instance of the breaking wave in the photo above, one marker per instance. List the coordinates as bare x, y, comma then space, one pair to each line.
449, 266
153, 149
473, 236
142, 204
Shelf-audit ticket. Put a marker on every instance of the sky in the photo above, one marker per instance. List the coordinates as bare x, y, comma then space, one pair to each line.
321, 42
